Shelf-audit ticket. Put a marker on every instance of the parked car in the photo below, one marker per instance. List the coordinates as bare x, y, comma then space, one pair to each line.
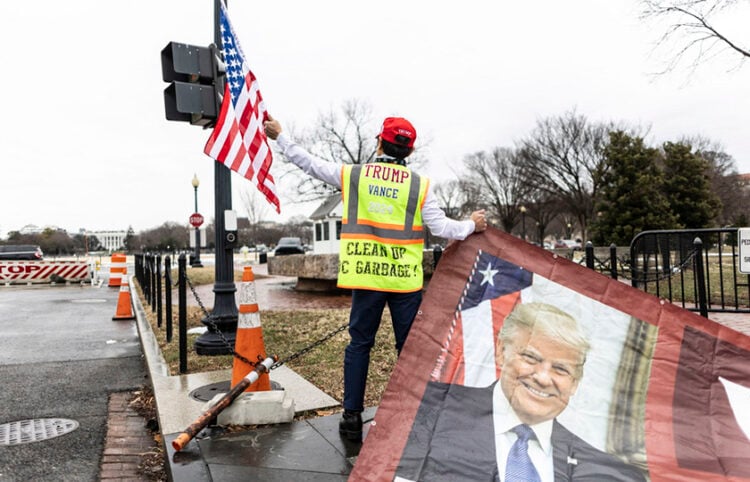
260, 248
21, 252
289, 246
573, 244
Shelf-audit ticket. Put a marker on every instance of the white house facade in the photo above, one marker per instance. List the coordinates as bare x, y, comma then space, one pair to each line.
110, 240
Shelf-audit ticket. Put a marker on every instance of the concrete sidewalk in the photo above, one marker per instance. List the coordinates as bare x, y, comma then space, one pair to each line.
307, 450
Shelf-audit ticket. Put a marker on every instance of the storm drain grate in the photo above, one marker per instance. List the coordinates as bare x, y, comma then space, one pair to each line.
36, 430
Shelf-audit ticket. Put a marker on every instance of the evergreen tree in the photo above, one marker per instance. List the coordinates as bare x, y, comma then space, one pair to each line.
688, 186
631, 199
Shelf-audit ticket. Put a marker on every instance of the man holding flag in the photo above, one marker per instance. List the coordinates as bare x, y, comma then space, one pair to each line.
386, 205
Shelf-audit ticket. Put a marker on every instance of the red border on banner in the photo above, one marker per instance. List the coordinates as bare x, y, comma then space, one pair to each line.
382, 448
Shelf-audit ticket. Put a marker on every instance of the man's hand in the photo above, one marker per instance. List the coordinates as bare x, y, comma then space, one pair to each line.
480, 221
271, 127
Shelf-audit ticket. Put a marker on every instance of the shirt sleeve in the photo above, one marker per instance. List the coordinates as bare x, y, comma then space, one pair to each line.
328, 172
441, 225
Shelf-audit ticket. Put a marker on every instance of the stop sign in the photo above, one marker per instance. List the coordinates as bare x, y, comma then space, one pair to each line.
196, 219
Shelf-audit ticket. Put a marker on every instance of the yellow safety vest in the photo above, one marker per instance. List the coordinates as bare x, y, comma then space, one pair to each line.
381, 234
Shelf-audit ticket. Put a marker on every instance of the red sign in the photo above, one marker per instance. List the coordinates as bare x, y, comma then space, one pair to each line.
196, 219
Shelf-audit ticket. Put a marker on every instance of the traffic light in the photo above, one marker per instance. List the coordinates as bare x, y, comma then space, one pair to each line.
196, 84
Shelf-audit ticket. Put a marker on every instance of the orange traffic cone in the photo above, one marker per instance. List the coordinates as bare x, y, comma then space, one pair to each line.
249, 339
124, 303
117, 269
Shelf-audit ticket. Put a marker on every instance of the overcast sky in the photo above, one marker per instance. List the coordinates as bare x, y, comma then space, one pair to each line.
85, 143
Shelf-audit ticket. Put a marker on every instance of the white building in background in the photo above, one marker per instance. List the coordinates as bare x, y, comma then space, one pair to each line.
110, 240
30, 229
34, 229
327, 225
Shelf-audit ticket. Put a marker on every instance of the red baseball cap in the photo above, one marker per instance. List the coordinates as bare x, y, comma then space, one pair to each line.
399, 131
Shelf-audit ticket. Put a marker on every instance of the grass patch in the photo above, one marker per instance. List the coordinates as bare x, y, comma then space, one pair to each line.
724, 286
286, 332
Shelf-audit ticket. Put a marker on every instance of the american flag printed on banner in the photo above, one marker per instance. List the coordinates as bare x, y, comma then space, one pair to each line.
492, 290
238, 140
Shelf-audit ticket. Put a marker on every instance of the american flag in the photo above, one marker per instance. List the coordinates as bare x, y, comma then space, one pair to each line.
492, 290
238, 140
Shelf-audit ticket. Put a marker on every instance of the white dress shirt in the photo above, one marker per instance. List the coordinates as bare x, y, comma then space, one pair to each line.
330, 172
504, 420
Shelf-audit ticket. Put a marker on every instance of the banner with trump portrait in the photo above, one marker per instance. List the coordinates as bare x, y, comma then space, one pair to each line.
523, 365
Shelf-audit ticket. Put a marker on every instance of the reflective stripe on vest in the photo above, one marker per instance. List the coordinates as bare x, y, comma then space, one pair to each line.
381, 234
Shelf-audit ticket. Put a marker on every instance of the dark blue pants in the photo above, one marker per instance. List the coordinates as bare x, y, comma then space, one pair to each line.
364, 321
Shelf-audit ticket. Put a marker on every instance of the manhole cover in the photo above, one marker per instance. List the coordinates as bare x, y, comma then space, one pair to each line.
206, 393
36, 430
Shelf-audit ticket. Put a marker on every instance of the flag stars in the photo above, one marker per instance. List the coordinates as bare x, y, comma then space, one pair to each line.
489, 275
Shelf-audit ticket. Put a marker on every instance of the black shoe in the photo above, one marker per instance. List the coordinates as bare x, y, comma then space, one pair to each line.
350, 426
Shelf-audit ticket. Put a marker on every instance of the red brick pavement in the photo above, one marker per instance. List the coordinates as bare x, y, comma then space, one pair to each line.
736, 321
127, 440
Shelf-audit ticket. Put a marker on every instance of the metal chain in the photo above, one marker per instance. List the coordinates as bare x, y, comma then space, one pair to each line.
311, 346
294, 356
676, 269
659, 277
216, 328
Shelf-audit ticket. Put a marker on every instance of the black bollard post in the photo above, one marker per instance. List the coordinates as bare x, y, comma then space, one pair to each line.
700, 278
589, 255
182, 309
613, 260
137, 263
158, 291
153, 283
147, 276
168, 295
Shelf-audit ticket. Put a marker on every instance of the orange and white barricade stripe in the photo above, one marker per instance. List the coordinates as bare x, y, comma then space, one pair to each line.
116, 269
249, 339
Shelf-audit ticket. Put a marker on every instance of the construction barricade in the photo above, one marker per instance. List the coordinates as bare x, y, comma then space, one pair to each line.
117, 268
28, 272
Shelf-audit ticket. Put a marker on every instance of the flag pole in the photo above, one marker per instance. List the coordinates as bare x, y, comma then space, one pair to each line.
224, 314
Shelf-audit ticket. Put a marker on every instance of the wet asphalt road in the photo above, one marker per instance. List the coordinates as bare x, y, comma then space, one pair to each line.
60, 357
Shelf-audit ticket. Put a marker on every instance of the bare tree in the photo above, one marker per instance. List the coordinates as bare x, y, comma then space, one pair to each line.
693, 30
502, 189
346, 135
543, 208
563, 157
452, 198
348, 138
256, 208
725, 180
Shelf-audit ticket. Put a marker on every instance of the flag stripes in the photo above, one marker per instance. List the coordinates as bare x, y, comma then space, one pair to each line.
238, 140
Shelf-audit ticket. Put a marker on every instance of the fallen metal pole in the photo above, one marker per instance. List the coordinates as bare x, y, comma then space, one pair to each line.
182, 440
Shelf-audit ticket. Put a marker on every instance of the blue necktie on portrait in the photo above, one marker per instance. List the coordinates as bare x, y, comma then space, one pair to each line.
519, 467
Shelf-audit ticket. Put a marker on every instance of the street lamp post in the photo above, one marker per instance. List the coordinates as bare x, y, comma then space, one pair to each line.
223, 317
523, 222
570, 227
197, 258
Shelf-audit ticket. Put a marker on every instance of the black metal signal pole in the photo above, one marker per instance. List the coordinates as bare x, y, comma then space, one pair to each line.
224, 314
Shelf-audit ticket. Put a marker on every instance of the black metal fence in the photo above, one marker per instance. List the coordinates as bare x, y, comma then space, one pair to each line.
697, 268
148, 273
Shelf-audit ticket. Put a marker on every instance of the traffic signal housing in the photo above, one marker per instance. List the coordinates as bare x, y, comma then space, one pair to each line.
194, 74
